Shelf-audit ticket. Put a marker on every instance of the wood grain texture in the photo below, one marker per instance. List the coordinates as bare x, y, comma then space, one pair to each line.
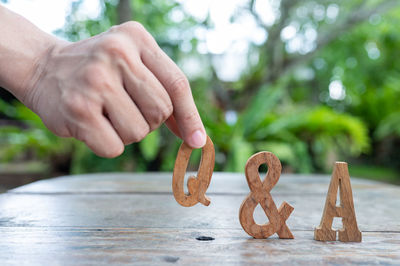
149, 195
133, 219
197, 186
159, 182
260, 194
349, 232
165, 246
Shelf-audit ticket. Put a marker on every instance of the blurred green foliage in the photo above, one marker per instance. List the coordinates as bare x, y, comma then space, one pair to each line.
32, 140
273, 106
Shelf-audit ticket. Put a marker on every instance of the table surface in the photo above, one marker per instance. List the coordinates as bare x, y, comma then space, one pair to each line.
123, 218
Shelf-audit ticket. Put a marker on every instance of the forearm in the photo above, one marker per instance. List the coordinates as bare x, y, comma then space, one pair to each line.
22, 47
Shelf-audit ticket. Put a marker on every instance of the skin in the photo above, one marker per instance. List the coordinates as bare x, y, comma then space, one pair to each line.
107, 91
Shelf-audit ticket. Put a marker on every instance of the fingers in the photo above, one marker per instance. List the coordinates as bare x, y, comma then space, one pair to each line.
147, 92
100, 136
84, 120
177, 86
134, 87
105, 130
125, 117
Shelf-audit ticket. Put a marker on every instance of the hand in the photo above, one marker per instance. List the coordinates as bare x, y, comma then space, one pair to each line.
113, 89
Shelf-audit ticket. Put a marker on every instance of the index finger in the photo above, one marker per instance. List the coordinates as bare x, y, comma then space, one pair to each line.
177, 86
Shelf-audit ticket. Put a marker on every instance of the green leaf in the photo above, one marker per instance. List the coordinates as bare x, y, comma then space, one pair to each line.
239, 154
390, 126
150, 145
263, 103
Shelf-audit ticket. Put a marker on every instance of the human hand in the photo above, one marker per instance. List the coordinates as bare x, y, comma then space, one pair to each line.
113, 89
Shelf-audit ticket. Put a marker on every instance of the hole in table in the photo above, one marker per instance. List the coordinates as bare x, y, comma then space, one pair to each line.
205, 238
171, 259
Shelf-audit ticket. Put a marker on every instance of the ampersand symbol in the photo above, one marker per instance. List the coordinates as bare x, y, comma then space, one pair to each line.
260, 194
197, 187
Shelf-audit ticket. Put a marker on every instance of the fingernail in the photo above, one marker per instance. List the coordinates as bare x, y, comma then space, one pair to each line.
198, 139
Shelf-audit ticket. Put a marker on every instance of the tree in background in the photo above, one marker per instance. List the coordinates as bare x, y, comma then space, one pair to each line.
320, 84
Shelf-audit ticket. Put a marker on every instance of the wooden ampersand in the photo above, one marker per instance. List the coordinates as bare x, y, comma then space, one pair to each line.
260, 194
349, 233
197, 186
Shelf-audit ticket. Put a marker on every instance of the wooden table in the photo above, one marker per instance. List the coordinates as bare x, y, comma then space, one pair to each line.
111, 218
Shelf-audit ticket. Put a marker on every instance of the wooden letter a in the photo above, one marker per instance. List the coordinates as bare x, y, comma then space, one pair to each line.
349, 233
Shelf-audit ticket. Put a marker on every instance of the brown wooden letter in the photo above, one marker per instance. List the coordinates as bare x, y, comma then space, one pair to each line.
197, 187
349, 233
260, 194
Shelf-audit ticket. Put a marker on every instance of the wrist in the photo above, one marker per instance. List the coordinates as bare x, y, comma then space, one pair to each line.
35, 68
25, 91
23, 47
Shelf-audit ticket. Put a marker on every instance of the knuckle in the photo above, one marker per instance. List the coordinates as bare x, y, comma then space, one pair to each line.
113, 45
136, 134
133, 27
81, 135
156, 54
179, 87
190, 117
114, 29
109, 148
62, 132
159, 115
139, 135
75, 105
167, 111
112, 152
59, 128
95, 76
